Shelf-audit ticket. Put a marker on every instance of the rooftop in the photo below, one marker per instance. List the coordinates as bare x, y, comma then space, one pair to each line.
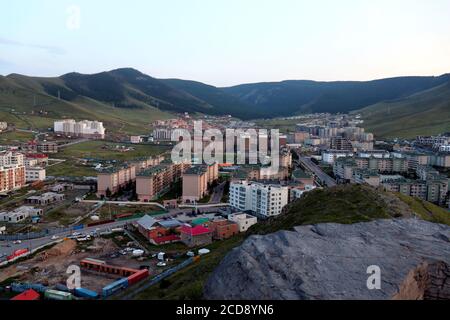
197, 170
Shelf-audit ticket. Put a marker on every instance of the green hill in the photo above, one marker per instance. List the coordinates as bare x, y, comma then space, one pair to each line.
31, 102
424, 113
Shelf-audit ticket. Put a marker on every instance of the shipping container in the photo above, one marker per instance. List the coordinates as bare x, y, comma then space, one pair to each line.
138, 276
27, 295
78, 227
62, 287
57, 295
21, 287
85, 293
114, 287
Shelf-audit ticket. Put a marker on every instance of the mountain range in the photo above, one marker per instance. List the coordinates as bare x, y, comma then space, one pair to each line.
127, 96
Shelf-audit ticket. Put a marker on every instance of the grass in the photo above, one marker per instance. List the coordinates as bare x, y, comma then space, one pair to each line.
14, 137
106, 150
425, 113
187, 284
426, 210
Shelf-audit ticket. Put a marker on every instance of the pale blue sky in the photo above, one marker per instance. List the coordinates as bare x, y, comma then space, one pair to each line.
227, 42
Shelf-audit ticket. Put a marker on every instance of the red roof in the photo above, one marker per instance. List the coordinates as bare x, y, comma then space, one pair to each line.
169, 238
195, 231
37, 155
30, 294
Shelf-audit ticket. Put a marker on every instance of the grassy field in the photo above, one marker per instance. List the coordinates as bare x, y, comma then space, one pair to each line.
14, 137
99, 150
107, 150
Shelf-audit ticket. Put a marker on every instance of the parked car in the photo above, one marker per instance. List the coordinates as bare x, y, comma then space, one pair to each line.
161, 264
55, 237
17, 242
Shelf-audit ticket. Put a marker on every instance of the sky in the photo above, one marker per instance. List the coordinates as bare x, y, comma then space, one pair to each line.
227, 42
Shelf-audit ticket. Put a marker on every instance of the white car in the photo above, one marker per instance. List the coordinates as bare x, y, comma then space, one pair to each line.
76, 234
17, 242
161, 264
54, 237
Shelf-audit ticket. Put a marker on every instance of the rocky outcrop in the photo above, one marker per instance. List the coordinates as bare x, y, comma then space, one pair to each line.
330, 261
429, 281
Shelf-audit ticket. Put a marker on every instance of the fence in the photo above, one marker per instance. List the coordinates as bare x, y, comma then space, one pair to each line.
36, 234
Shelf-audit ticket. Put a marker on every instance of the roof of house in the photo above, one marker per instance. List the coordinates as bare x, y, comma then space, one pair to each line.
173, 223
199, 221
29, 294
147, 222
194, 231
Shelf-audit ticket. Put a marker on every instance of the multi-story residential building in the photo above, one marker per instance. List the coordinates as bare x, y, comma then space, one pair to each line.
285, 158
145, 162
366, 176
444, 148
330, 156
433, 140
426, 172
264, 200
36, 159
433, 190
440, 159
12, 171
154, 181
196, 180
33, 174
243, 220
114, 178
85, 128
341, 143
3, 126
343, 168
47, 147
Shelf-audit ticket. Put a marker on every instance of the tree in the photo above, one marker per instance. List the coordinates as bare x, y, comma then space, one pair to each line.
108, 193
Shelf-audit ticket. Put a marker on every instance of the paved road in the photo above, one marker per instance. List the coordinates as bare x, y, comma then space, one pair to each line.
216, 197
322, 176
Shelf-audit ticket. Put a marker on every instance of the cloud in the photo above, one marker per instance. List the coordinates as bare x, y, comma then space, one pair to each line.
49, 49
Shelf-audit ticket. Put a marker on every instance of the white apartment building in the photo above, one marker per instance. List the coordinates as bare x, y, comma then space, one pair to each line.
444, 148
265, 200
33, 174
85, 128
8, 158
330, 156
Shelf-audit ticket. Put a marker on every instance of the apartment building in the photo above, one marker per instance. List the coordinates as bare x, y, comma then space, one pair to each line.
264, 200
12, 171
433, 190
330, 156
196, 180
33, 174
47, 147
341, 143
114, 178
3, 126
84, 128
145, 162
155, 181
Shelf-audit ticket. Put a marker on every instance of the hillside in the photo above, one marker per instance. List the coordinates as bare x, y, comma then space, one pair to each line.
31, 102
424, 113
127, 100
222, 101
344, 204
301, 96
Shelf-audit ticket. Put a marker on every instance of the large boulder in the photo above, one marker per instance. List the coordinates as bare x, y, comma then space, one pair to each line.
329, 261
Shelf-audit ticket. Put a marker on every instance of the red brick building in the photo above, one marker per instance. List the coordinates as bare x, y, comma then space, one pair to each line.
223, 228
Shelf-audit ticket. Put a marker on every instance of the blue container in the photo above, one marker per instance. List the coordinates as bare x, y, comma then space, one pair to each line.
78, 227
85, 293
61, 287
114, 287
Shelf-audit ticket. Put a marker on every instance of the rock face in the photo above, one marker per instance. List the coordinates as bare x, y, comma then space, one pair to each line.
329, 261
429, 281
